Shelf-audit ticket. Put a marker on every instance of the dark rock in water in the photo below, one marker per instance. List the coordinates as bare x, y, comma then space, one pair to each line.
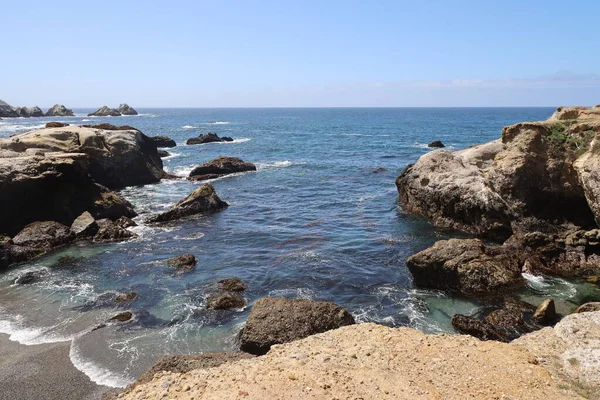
163, 153
122, 317
163, 141
56, 125
478, 328
275, 321
7, 111
58, 110
125, 297
112, 206
588, 307
126, 109
11, 254
108, 231
84, 226
185, 363
125, 222
467, 266
27, 278
104, 111
378, 170
208, 138
204, 199
225, 301
27, 112
436, 144
185, 262
220, 166
232, 285
63, 260
545, 314
44, 234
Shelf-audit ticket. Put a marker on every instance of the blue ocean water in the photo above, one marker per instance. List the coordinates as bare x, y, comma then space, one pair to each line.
317, 220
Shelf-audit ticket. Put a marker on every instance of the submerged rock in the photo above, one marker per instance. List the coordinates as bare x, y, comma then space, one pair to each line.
126, 109
27, 278
202, 200
44, 234
185, 262
58, 110
104, 111
275, 321
233, 285
208, 138
225, 301
122, 317
125, 297
467, 266
163, 141
220, 166
436, 144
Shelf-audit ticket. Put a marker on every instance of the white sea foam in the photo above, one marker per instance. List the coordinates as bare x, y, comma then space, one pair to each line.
298, 293
278, 164
188, 127
219, 123
171, 155
97, 374
31, 335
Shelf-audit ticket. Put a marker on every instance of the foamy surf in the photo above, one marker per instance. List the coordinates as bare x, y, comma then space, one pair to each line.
278, 164
96, 373
218, 123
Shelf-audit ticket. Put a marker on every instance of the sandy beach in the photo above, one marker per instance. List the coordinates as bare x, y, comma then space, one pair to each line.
42, 372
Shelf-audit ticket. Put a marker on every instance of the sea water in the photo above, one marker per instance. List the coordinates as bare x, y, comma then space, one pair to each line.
317, 220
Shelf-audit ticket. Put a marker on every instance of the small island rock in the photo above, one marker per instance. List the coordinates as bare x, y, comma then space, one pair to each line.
58, 110
126, 109
104, 111
204, 199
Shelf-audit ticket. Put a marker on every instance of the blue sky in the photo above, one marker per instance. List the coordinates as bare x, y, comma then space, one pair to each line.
300, 53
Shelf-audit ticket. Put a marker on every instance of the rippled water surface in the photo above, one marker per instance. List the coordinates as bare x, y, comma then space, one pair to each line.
315, 221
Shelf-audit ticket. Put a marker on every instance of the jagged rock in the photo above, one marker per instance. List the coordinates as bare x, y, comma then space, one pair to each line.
7, 111
122, 317
185, 262
116, 158
436, 144
467, 266
56, 125
112, 206
27, 112
108, 231
224, 301
125, 297
545, 314
588, 307
202, 200
11, 254
84, 226
58, 110
104, 111
126, 109
208, 138
44, 235
163, 141
163, 153
220, 166
125, 222
275, 321
232, 285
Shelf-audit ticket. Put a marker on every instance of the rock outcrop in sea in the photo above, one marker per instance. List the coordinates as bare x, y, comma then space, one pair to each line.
163, 141
220, 166
58, 110
202, 200
126, 109
7, 111
208, 138
105, 111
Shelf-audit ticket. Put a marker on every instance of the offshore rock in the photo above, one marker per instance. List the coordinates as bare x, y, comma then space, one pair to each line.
7, 111
126, 109
163, 141
58, 110
225, 301
184, 262
104, 111
208, 138
220, 166
202, 200
436, 144
232, 285
275, 321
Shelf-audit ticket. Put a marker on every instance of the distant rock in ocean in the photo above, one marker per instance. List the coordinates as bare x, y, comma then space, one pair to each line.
203, 199
436, 144
104, 111
27, 112
58, 110
208, 138
163, 141
126, 109
7, 111
220, 166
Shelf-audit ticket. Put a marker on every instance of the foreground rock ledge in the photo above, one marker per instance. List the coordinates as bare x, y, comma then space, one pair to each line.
369, 361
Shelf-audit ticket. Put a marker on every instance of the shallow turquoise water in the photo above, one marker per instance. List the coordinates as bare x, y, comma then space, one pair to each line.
314, 222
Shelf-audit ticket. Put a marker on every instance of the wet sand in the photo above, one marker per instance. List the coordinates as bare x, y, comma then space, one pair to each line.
42, 372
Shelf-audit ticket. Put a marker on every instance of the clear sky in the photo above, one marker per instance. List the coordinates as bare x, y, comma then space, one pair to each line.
300, 53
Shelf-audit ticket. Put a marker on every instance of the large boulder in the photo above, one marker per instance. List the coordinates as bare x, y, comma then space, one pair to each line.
84, 226
27, 112
225, 301
220, 166
208, 138
202, 200
58, 110
117, 158
11, 254
44, 234
275, 321
467, 266
7, 111
184, 262
104, 111
108, 231
126, 109
163, 141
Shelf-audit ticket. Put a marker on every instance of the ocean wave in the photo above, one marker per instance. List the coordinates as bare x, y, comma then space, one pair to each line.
278, 164
297, 293
218, 123
97, 374
30, 335
171, 155
419, 145
188, 127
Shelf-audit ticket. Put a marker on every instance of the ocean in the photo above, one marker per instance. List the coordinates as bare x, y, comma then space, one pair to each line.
319, 219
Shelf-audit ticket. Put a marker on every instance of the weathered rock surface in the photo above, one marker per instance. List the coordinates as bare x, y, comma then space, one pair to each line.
588, 307
58, 110
122, 317
7, 111
84, 226
11, 254
184, 262
56, 125
108, 231
117, 158
202, 200
163, 141
125, 297
232, 285
545, 314
467, 266
220, 166
369, 361
225, 301
208, 138
104, 111
275, 321
126, 109
28, 112
44, 235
